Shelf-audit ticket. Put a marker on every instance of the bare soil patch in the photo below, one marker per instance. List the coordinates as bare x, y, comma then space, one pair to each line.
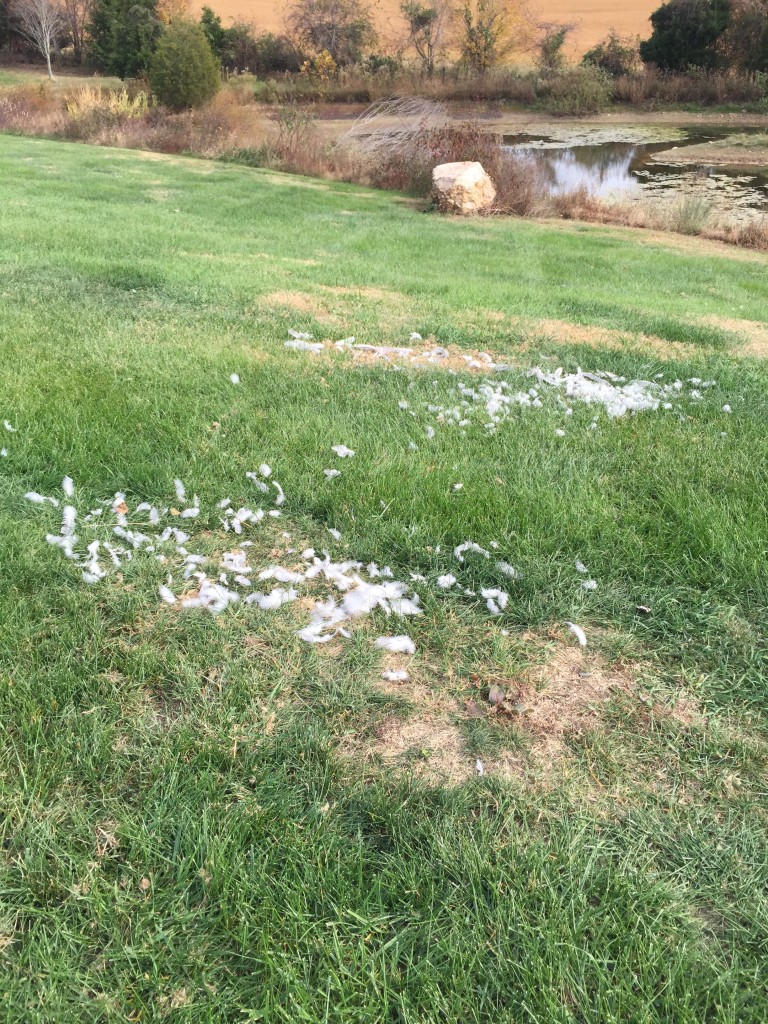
553, 702
379, 294
562, 698
429, 746
568, 333
302, 302
755, 334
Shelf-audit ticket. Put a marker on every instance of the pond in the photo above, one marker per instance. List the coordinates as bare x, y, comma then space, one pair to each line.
641, 164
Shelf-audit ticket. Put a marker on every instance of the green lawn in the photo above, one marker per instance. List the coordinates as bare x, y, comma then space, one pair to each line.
34, 75
201, 818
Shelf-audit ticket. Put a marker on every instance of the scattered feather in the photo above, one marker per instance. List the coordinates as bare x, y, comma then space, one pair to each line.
395, 675
508, 570
469, 545
41, 499
396, 644
342, 451
234, 378
300, 345
578, 632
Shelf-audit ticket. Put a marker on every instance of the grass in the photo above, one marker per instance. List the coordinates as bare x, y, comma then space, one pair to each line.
184, 836
16, 76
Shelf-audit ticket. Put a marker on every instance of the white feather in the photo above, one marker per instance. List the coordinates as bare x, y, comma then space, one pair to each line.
578, 632
396, 644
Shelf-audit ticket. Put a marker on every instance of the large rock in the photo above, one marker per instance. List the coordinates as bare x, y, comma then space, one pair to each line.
462, 187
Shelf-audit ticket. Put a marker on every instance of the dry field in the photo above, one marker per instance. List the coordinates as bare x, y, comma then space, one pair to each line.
593, 18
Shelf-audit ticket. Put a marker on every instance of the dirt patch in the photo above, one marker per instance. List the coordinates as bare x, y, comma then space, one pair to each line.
429, 354
695, 245
296, 300
559, 699
428, 746
715, 154
432, 357
302, 302
363, 291
294, 181
554, 701
755, 334
564, 332
428, 742
687, 713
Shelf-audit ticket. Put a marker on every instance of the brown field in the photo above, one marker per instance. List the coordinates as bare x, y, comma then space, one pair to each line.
593, 18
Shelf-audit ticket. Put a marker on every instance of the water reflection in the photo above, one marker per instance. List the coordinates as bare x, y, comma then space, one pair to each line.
625, 170
603, 170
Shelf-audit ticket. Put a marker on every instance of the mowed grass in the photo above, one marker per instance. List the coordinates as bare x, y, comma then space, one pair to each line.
63, 80
185, 834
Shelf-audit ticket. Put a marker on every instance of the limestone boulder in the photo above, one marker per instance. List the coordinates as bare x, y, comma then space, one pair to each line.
462, 187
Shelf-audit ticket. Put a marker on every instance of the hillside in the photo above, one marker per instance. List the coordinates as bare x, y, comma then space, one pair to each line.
524, 780
593, 18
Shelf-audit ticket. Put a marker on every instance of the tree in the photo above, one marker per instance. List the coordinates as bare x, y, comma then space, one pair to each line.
184, 72
550, 45
171, 10
342, 28
427, 25
745, 42
77, 13
42, 22
487, 32
686, 34
613, 54
215, 33
123, 35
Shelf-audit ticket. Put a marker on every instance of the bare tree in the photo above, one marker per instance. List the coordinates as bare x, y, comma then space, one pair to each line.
42, 22
427, 24
343, 28
78, 13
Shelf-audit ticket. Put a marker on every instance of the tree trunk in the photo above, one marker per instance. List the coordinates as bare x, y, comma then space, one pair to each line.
48, 62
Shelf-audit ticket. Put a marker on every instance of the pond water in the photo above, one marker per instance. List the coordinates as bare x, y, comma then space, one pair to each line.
626, 166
